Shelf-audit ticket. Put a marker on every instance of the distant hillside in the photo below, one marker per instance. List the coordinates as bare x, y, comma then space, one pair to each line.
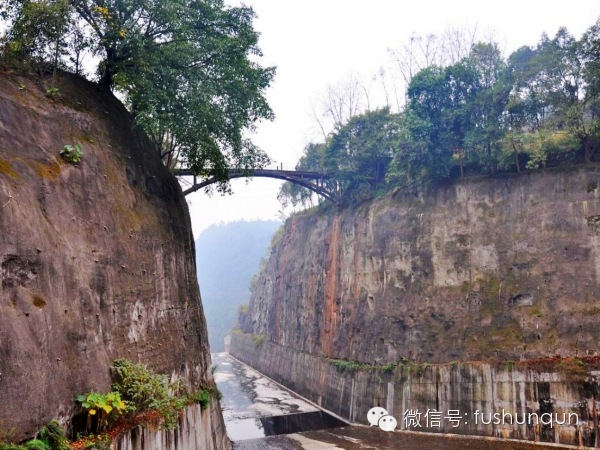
227, 256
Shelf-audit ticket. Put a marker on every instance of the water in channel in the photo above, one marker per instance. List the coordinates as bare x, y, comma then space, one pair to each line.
261, 415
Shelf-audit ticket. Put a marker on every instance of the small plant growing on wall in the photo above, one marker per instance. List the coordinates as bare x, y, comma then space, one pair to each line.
52, 92
106, 407
138, 393
71, 153
346, 366
260, 339
52, 436
388, 368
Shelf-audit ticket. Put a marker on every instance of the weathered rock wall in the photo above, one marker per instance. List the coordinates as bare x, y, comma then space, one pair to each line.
505, 267
466, 395
96, 260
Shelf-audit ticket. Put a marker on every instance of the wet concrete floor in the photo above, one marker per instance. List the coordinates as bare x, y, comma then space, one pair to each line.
361, 437
250, 401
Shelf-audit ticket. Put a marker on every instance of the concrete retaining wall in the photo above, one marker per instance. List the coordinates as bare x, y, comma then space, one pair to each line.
472, 392
197, 430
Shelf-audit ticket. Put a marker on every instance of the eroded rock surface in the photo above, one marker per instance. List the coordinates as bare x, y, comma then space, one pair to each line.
507, 267
96, 259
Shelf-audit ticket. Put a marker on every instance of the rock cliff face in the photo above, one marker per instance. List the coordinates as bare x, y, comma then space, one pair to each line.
96, 259
506, 267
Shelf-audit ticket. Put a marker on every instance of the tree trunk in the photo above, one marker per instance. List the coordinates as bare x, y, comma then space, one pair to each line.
588, 149
55, 68
512, 141
107, 79
489, 152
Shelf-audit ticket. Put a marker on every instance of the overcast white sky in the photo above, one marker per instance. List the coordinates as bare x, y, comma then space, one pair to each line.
314, 43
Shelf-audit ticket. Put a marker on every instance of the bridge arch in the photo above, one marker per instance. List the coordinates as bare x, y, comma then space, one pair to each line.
315, 181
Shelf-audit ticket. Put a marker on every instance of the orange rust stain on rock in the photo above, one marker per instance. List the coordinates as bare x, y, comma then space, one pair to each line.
132, 219
356, 273
330, 310
281, 290
48, 171
353, 303
38, 301
6, 168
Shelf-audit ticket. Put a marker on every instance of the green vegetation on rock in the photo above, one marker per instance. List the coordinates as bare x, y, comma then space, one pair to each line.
71, 153
483, 114
187, 70
137, 390
106, 407
52, 436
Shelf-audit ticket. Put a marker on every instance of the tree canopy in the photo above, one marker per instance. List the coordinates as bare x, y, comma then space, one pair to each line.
188, 69
479, 114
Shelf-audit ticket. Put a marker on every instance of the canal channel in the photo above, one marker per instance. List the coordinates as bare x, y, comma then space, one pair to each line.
259, 414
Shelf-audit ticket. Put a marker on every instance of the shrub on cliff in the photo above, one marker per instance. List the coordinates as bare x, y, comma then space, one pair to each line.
139, 394
52, 436
105, 408
147, 390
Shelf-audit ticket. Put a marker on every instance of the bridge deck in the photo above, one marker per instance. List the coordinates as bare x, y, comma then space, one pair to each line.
315, 181
258, 172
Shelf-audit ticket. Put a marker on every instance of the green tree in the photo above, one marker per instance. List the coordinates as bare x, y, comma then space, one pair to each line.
528, 95
359, 153
410, 162
311, 160
528, 107
587, 116
562, 96
429, 98
440, 115
590, 47
356, 156
187, 69
459, 115
38, 30
488, 102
